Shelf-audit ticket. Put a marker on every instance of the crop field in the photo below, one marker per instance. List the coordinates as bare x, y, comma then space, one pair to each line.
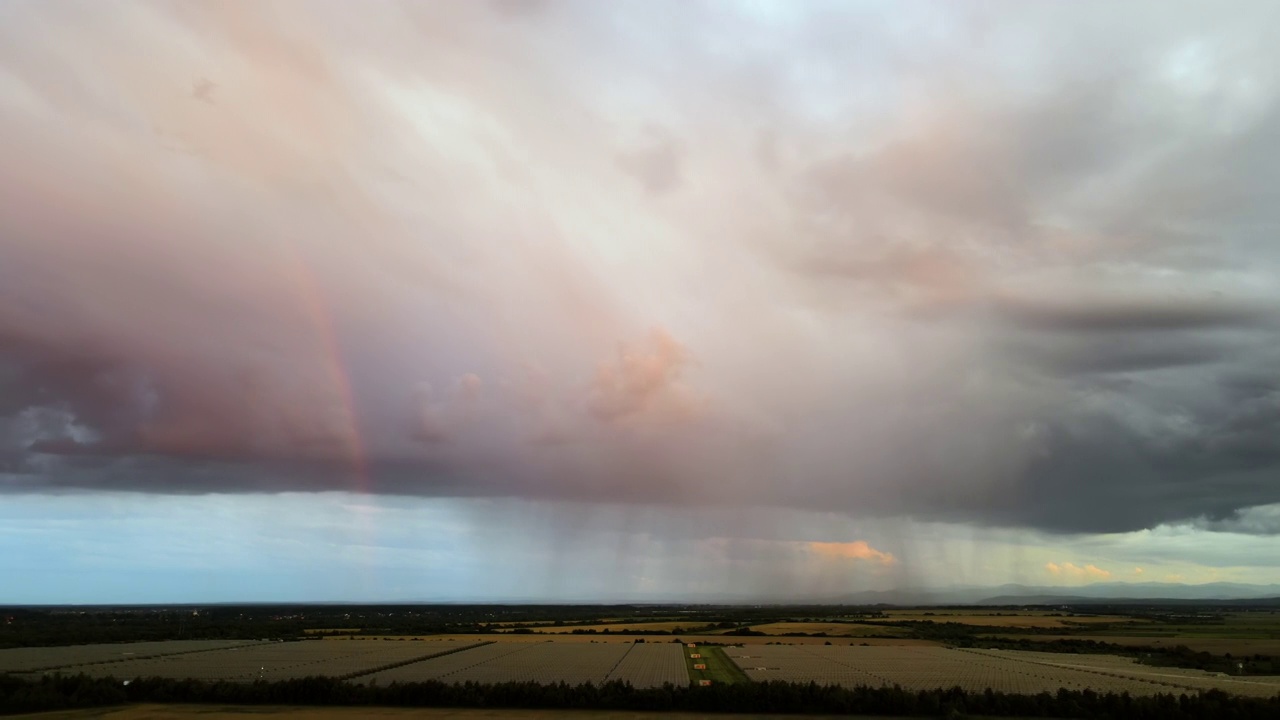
1113, 665
879, 642
652, 665
271, 661
650, 618
641, 664
31, 659
574, 660
1265, 686
633, 620
834, 629
1025, 619
622, 638
524, 638
916, 668
1215, 645
623, 627
1237, 633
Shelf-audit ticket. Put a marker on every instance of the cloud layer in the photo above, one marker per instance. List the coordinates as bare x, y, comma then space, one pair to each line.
998, 264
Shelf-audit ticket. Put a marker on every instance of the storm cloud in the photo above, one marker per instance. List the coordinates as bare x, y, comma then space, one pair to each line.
989, 263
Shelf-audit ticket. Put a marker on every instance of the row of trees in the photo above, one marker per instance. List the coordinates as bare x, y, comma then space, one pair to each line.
58, 692
39, 627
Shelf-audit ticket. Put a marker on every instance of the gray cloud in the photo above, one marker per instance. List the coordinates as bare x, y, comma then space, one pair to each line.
1252, 521
1009, 266
1138, 315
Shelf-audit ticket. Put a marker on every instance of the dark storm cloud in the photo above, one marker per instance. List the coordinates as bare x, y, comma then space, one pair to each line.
1104, 477
1111, 350
990, 264
1253, 521
1139, 315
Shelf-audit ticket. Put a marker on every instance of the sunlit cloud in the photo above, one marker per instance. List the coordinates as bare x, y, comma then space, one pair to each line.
1077, 572
856, 550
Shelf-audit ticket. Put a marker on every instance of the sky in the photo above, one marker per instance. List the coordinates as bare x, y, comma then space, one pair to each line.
572, 300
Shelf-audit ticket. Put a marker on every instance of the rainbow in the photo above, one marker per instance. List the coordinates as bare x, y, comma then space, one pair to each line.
307, 290
313, 302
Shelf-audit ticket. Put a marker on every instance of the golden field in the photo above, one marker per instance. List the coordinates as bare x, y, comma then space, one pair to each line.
666, 626
834, 629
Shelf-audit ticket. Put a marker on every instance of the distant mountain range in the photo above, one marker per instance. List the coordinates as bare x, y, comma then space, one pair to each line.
1099, 593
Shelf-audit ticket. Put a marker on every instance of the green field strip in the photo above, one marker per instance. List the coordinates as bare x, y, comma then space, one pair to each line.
728, 670
410, 661
720, 669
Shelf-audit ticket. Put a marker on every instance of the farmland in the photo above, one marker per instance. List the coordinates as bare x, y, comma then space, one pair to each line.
917, 668
573, 661
53, 658
709, 663
368, 649
620, 627
1115, 666
1006, 618
1215, 645
241, 661
641, 664
624, 638
831, 629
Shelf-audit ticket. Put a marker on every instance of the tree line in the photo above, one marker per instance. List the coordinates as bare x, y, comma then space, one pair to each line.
58, 692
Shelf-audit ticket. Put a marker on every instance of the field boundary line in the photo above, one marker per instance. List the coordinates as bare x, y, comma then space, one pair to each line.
148, 657
410, 661
616, 665
524, 646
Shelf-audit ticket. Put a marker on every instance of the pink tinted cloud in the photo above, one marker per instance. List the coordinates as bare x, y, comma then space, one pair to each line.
855, 550
643, 381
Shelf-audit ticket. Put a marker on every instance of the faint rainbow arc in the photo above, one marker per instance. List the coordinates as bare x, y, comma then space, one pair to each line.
317, 309
308, 291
